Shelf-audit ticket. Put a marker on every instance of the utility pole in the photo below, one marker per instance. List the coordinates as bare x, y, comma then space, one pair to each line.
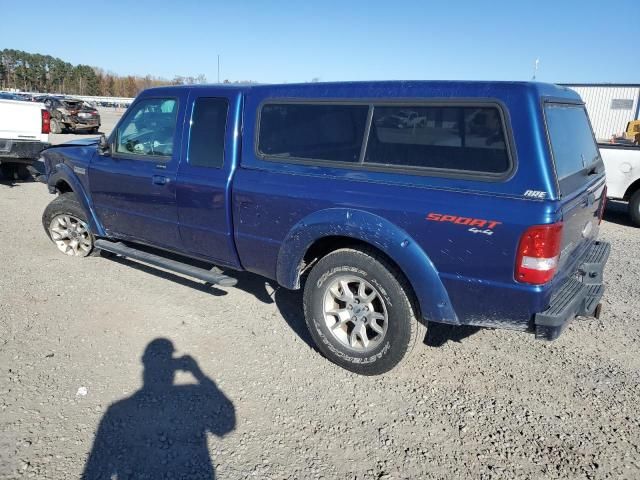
535, 68
218, 68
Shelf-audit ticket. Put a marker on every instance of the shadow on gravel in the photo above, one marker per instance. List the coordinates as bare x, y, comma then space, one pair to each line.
9, 182
161, 430
289, 302
439, 333
617, 212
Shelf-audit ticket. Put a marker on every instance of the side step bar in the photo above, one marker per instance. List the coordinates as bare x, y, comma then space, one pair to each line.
166, 263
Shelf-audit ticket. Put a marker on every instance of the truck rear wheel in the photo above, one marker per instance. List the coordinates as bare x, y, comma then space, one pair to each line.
66, 224
359, 311
634, 208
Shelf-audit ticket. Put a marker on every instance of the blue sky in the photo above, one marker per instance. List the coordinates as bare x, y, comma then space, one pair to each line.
292, 41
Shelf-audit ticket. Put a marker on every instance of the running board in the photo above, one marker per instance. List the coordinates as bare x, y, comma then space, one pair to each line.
166, 263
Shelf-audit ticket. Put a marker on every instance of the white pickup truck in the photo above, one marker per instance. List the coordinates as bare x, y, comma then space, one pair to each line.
622, 165
24, 133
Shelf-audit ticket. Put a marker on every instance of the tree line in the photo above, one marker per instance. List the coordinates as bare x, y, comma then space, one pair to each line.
33, 72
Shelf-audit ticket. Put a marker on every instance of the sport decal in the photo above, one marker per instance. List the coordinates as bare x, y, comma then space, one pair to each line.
477, 225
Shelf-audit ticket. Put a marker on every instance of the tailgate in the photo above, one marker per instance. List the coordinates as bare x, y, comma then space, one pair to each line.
21, 120
580, 178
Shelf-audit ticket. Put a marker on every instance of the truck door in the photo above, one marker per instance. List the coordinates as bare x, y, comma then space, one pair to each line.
203, 186
133, 186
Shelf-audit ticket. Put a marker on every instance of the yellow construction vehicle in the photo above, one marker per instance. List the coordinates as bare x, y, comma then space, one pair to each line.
631, 136
633, 132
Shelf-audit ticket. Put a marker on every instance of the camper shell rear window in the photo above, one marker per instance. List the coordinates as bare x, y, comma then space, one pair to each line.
573, 145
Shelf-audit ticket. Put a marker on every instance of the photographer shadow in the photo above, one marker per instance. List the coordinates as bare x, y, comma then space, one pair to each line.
161, 430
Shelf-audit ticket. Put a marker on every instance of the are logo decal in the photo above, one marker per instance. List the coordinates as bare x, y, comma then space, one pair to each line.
477, 225
535, 194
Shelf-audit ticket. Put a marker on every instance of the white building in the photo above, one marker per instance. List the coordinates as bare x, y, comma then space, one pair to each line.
611, 106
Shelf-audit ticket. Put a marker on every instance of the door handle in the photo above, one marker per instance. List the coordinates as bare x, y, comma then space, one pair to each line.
159, 180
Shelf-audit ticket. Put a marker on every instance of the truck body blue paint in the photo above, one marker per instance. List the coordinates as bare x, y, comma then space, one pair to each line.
70, 165
262, 214
378, 232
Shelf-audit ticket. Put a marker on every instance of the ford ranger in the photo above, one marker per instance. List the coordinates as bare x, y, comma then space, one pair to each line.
485, 212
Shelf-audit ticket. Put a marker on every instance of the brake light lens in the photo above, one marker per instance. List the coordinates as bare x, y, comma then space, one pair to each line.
538, 254
603, 204
46, 121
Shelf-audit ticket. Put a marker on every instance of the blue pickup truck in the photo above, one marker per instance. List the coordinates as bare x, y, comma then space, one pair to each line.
392, 204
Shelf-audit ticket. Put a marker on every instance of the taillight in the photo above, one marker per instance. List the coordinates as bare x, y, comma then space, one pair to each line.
538, 253
46, 121
603, 204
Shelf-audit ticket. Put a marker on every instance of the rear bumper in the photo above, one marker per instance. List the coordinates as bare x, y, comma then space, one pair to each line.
81, 123
20, 151
579, 295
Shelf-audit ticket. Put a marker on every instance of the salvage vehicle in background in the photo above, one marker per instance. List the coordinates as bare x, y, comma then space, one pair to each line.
24, 132
622, 164
481, 214
71, 115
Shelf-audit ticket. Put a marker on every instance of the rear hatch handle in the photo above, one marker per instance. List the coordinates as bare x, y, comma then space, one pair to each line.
589, 200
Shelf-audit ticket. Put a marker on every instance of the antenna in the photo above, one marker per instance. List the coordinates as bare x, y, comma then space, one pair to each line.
535, 68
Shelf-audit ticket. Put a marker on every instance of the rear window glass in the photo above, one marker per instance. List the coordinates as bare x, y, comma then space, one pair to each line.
312, 131
572, 143
452, 138
208, 124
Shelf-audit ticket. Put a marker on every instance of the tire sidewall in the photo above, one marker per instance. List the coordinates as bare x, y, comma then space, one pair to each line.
66, 204
399, 313
634, 208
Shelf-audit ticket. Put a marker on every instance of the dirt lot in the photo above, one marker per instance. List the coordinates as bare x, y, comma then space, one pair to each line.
255, 400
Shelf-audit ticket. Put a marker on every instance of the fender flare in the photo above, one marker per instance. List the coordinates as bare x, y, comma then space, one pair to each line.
394, 241
63, 172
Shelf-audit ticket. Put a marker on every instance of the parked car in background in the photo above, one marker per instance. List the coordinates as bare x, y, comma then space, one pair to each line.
622, 163
24, 132
485, 215
71, 115
10, 96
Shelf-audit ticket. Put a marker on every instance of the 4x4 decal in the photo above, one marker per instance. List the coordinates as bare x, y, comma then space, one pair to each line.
477, 225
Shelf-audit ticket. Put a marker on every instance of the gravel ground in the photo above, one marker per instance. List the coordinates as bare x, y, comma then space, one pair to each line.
89, 349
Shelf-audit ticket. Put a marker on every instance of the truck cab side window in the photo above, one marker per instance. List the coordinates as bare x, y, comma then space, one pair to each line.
149, 128
208, 125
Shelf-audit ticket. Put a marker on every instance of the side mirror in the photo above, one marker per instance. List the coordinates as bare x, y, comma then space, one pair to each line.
103, 146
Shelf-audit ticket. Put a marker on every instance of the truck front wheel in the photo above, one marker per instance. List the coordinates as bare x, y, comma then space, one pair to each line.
359, 312
66, 224
634, 208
